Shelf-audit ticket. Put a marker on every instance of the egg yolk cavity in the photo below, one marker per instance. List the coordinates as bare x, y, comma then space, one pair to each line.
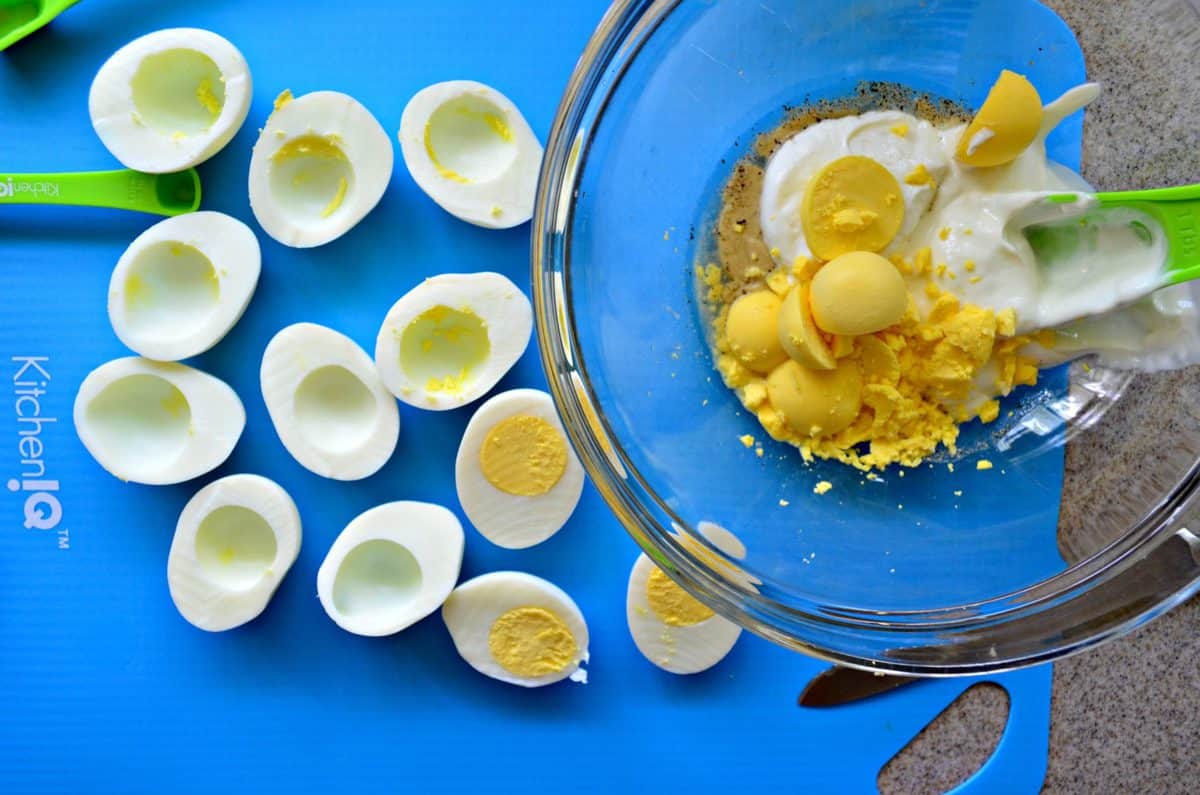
178, 92
532, 642
441, 348
852, 204
673, 605
170, 291
235, 547
335, 410
524, 456
311, 176
143, 421
468, 140
375, 579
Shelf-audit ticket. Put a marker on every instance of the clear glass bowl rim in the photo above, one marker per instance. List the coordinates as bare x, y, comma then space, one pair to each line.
1090, 602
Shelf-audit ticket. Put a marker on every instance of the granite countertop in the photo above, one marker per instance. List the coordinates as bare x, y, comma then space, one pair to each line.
1123, 715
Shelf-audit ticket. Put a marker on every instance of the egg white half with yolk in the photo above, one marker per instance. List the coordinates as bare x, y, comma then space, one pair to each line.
470, 149
451, 338
392, 566
518, 479
897, 141
157, 423
235, 541
183, 284
170, 99
670, 627
517, 628
327, 403
321, 163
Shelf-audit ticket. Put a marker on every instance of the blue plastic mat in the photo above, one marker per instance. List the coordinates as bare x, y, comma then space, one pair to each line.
106, 689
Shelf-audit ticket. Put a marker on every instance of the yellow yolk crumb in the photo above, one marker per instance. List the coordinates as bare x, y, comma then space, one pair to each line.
747, 441
920, 176
206, 97
532, 642
824, 487
524, 456
900, 130
944, 233
852, 204
983, 465
284, 98
675, 606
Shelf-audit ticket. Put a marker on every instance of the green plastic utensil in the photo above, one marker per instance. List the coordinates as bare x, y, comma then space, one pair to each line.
158, 194
19, 18
1176, 211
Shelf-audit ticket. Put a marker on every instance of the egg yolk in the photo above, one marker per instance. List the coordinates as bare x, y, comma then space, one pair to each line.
852, 204
675, 606
442, 346
799, 334
816, 402
532, 642
524, 456
753, 330
1005, 126
858, 293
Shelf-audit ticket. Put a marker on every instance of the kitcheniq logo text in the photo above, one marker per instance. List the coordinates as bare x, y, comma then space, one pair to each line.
41, 509
10, 187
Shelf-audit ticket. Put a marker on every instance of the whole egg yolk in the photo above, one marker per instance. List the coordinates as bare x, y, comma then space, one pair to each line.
816, 402
798, 332
753, 331
524, 456
858, 293
675, 606
852, 204
531, 642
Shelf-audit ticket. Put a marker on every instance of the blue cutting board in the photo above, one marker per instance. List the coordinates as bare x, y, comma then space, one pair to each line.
106, 689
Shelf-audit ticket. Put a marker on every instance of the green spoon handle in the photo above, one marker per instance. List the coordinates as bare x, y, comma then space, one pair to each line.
159, 194
1178, 211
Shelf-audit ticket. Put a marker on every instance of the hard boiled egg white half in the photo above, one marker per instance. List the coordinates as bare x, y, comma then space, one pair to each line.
235, 541
391, 567
327, 403
321, 163
451, 338
670, 627
517, 628
170, 100
470, 149
157, 423
182, 285
517, 477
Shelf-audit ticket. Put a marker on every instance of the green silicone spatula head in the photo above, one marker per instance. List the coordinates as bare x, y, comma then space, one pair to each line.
158, 194
19, 18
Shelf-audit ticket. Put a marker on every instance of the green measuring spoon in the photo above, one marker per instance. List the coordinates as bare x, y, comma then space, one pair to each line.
19, 18
158, 194
1120, 248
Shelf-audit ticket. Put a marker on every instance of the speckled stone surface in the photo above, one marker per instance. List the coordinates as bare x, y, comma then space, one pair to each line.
1124, 716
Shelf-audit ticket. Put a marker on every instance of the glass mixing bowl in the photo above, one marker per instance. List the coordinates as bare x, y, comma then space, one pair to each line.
1078, 533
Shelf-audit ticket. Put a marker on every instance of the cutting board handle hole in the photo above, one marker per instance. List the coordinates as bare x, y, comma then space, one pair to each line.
951, 749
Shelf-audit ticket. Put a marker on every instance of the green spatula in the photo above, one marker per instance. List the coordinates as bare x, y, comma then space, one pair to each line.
1146, 239
158, 194
19, 18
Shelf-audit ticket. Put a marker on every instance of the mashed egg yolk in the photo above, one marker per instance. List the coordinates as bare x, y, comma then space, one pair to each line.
753, 331
532, 642
1005, 126
675, 606
852, 204
524, 456
858, 293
